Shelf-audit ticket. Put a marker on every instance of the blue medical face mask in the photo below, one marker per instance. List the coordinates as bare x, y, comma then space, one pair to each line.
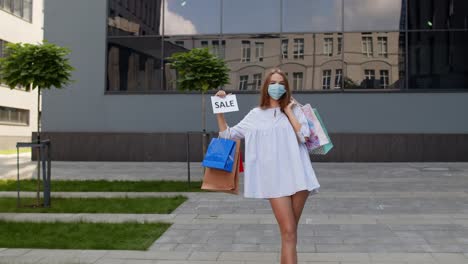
276, 90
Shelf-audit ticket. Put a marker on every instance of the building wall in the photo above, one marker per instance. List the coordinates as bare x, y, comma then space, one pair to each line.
85, 108
14, 29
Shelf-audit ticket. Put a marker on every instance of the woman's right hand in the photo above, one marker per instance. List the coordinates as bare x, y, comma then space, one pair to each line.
221, 93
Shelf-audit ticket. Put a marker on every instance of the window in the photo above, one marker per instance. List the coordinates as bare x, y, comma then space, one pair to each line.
19, 8
259, 46
27, 10
367, 45
8, 6
14, 116
382, 46
215, 50
243, 79
298, 80
204, 44
384, 79
326, 79
340, 45
257, 79
338, 76
245, 51
369, 79
328, 47
369, 74
284, 48
222, 50
2, 48
180, 43
298, 48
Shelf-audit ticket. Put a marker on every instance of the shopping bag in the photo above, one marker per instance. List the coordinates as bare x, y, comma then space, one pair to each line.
223, 181
241, 163
220, 154
319, 142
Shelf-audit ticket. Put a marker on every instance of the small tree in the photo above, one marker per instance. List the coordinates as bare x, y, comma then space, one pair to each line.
40, 66
199, 70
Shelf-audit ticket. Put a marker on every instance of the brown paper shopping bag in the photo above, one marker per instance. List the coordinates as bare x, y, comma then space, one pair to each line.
223, 181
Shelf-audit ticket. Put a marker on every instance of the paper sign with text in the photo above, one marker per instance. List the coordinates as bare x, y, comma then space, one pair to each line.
224, 105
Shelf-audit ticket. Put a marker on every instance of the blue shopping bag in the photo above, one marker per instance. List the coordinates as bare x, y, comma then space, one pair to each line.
220, 154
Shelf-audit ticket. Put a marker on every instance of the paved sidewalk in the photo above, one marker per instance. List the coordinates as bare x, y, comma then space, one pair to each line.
391, 213
8, 166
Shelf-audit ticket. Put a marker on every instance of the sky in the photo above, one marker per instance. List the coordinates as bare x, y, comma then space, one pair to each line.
261, 16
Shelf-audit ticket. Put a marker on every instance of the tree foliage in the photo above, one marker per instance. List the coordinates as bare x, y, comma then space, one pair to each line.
43, 65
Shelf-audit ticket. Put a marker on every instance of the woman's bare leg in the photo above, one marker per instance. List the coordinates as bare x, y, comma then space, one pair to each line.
284, 214
298, 201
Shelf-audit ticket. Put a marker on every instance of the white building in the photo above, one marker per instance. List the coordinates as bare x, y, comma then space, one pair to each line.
20, 21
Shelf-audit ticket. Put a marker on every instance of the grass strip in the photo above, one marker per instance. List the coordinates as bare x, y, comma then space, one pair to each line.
154, 205
13, 151
106, 186
59, 235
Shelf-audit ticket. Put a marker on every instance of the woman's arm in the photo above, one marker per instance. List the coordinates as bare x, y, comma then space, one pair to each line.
221, 122
236, 132
220, 116
292, 118
296, 123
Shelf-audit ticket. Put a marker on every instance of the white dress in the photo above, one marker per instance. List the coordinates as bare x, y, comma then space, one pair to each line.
277, 162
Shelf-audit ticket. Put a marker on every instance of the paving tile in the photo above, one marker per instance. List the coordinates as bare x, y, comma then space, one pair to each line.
443, 258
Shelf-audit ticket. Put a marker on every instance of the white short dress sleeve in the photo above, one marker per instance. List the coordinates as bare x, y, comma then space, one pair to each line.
239, 130
276, 163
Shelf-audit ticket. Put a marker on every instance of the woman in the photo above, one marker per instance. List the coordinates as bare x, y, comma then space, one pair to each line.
277, 163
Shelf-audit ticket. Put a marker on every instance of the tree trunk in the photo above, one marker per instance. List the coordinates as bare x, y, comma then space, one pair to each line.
204, 123
38, 139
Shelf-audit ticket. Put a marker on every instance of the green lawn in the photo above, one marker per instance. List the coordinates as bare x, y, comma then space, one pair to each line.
157, 205
125, 236
13, 151
107, 186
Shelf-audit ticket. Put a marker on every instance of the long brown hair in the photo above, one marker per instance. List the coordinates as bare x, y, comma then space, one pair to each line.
265, 97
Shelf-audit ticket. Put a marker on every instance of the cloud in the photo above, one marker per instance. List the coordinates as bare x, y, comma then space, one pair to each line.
175, 24
372, 14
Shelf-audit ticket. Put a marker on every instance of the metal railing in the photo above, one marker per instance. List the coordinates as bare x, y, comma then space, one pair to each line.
45, 162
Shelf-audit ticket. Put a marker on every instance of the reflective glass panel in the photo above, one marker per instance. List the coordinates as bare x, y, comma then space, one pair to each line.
251, 16
374, 60
249, 58
438, 14
134, 18
437, 60
192, 17
312, 15
184, 44
134, 64
374, 15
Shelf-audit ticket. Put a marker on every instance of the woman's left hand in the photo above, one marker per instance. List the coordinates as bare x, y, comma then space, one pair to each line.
290, 105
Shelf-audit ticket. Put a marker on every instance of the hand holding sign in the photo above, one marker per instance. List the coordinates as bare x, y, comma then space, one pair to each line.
224, 104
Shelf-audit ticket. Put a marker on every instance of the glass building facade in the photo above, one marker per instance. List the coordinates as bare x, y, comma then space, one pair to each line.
322, 45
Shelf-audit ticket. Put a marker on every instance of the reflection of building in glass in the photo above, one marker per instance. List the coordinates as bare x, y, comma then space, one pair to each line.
311, 61
437, 14
372, 50
134, 63
437, 59
134, 17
